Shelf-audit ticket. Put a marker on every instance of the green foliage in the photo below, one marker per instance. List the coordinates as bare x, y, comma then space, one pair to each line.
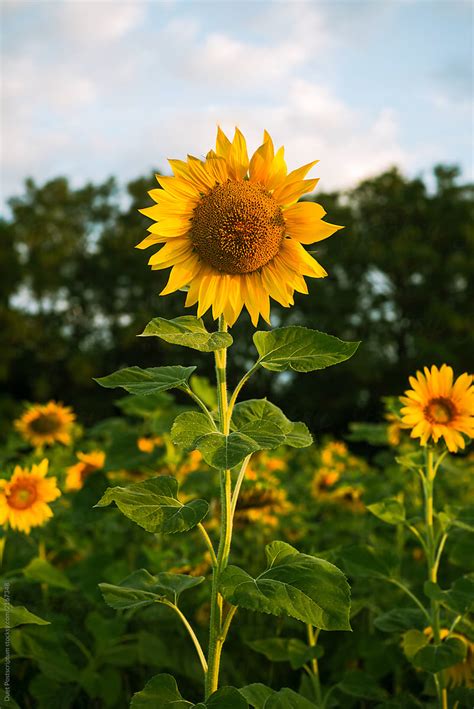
136, 380
306, 588
42, 571
188, 331
12, 616
390, 510
154, 505
141, 589
292, 650
161, 692
268, 425
434, 658
300, 349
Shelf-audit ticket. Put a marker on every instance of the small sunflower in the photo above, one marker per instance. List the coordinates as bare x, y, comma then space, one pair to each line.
262, 505
233, 230
24, 498
88, 463
147, 444
45, 424
436, 407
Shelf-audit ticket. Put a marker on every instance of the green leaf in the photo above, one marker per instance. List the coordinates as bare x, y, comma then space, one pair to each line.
412, 461
142, 589
136, 380
188, 331
399, 619
257, 694
193, 430
434, 658
161, 692
11, 616
222, 451
268, 426
145, 405
288, 699
224, 698
42, 571
189, 427
299, 436
360, 684
413, 641
153, 504
300, 349
291, 650
459, 598
389, 510
306, 588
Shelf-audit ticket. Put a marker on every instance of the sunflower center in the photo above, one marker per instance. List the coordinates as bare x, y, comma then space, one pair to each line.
46, 423
440, 410
22, 495
237, 227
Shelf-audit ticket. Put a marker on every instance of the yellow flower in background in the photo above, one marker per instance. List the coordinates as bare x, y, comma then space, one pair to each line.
461, 674
233, 230
45, 424
147, 444
262, 505
394, 429
437, 406
88, 463
24, 498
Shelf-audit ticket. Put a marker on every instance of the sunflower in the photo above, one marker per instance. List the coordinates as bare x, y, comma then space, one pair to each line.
463, 672
262, 505
45, 424
233, 230
88, 463
435, 407
24, 498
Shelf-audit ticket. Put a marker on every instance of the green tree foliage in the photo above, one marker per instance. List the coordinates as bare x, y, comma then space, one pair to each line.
74, 293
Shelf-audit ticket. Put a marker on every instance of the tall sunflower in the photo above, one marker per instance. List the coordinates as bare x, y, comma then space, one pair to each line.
437, 407
45, 424
24, 498
233, 230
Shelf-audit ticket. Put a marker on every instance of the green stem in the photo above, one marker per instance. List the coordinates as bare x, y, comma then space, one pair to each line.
239, 386
409, 593
216, 634
238, 483
312, 641
190, 630
208, 543
433, 559
199, 402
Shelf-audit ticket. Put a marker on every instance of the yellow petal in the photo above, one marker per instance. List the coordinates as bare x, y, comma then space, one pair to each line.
304, 223
223, 144
238, 158
292, 191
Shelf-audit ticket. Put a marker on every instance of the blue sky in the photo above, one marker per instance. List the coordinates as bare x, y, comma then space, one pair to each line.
100, 87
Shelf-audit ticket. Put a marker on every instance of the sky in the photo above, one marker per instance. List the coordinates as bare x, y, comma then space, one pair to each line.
94, 88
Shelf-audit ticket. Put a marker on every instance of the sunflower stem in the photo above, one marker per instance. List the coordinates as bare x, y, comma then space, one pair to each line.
217, 623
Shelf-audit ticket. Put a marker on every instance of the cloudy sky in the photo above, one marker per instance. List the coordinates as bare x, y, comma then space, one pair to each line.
100, 87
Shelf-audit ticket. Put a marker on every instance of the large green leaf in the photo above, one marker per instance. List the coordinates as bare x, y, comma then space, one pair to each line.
189, 331
413, 641
268, 426
301, 586
256, 694
11, 616
288, 699
160, 692
300, 349
42, 571
142, 589
136, 380
434, 658
153, 504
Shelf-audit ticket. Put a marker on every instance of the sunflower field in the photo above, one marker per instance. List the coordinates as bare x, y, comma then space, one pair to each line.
183, 541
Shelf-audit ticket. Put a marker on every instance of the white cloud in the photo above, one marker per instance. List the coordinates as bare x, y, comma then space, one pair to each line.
99, 21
